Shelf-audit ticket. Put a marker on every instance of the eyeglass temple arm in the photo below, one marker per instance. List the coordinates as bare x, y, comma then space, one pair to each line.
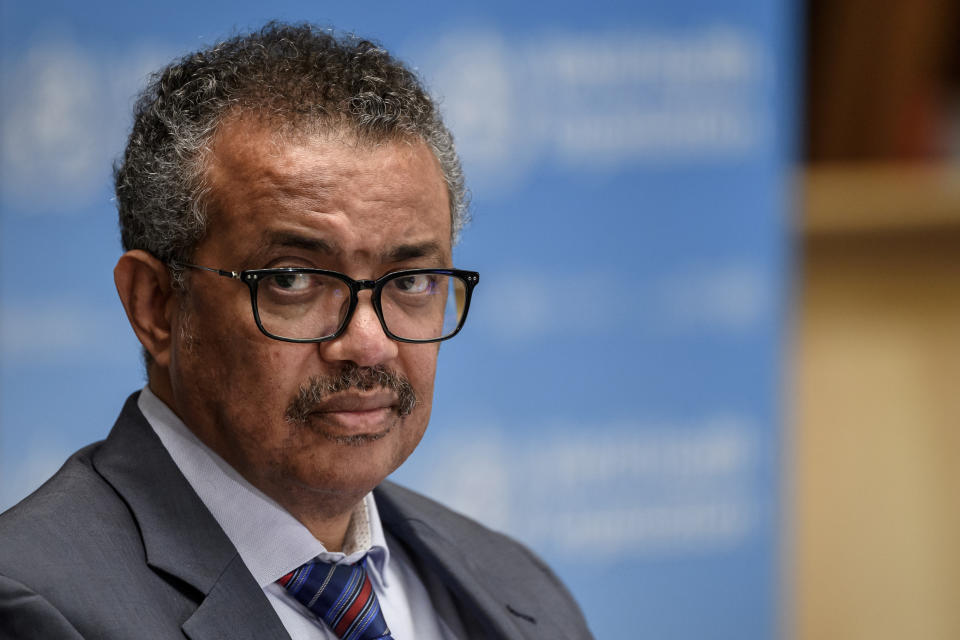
176, 264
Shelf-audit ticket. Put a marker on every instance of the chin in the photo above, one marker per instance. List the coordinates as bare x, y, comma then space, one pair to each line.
358, 440
353, 469
330, 461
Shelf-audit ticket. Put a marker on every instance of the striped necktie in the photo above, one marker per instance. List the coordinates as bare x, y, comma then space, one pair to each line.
341, 596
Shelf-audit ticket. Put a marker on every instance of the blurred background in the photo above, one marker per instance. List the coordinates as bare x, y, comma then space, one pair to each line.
875, 443
708, 369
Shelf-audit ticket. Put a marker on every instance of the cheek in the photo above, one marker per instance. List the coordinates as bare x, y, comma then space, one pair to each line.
420, 364
233, 366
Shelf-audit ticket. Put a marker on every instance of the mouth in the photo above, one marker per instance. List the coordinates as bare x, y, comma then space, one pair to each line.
354, 418
347, 402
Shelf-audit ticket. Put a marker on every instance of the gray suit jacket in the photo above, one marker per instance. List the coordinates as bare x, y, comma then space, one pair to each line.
118, 545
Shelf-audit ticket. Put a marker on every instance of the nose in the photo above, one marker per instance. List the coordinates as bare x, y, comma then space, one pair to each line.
364, 342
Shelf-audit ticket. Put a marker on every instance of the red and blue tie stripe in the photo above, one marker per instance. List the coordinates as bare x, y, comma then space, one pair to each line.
340, 595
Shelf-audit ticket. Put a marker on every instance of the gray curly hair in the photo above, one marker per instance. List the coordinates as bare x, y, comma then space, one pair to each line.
296, 78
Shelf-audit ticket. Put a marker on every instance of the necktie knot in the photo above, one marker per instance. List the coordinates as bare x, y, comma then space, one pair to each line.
340, 595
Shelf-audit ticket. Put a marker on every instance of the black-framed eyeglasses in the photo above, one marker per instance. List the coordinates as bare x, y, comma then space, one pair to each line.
297, 304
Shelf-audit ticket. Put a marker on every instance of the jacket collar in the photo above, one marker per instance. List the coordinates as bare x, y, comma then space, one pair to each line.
180, 536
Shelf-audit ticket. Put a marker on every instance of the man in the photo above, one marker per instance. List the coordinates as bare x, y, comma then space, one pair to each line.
288, 202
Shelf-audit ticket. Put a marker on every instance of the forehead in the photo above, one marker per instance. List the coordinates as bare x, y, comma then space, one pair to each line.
353, 195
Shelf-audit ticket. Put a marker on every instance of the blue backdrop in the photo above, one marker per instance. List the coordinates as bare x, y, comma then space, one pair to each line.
614, 398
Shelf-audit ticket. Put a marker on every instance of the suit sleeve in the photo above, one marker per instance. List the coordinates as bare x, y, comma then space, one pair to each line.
25, 615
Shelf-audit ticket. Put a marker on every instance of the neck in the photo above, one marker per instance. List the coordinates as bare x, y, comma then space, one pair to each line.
328, 520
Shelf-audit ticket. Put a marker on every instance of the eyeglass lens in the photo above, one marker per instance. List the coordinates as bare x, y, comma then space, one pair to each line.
307, 306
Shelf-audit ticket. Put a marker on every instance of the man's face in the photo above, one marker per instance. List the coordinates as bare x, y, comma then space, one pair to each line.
317, 202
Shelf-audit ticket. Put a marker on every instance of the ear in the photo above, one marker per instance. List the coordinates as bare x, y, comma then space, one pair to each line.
143, 283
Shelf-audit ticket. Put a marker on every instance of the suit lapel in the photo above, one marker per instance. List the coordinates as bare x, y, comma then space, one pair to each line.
180, 536
437, 553
230, 611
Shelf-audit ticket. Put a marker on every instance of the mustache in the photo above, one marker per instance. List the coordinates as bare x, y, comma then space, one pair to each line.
312, 393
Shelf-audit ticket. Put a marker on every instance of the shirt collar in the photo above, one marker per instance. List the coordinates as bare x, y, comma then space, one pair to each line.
270, 540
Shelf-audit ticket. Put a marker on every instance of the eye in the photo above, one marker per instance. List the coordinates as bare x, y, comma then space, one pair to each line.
415, 284
292, 281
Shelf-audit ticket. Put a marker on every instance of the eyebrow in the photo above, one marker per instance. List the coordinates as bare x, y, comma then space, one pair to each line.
411, 251
297, 241
399, 253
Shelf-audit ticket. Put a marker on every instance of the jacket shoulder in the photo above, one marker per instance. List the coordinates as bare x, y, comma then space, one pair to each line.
73, 562
71, 517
